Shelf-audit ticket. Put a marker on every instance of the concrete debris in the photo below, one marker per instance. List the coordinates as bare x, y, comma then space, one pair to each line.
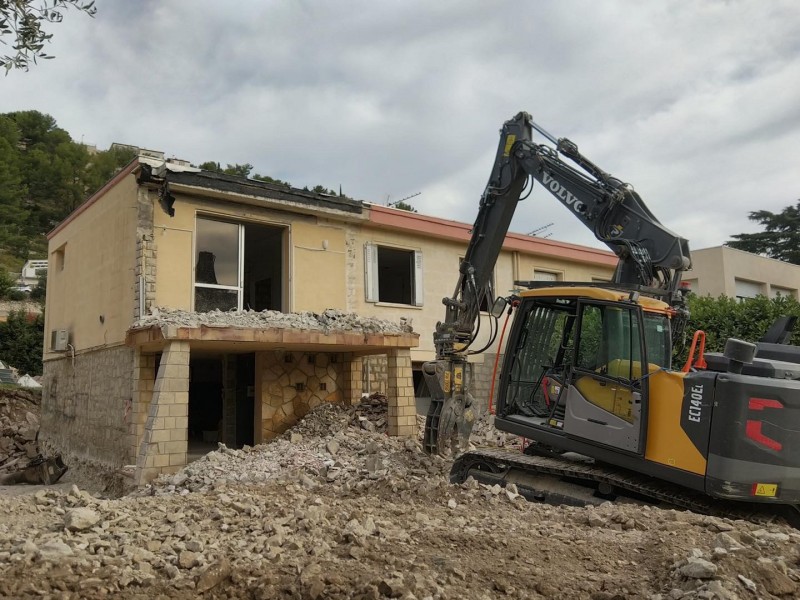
79, 519
332, 509
326, 321
21, 459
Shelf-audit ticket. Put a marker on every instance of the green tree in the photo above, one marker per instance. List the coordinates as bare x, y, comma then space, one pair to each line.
44, 175
269, 179
39, 291
21, 338
321, 189
404, 206
6, 283
13, 191
22, 28
238, 170
780, 238
210, 165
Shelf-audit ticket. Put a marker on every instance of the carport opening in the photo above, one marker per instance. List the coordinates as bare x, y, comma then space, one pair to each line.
205, 406
221, 402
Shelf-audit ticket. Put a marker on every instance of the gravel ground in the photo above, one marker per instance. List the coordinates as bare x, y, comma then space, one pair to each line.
336, 509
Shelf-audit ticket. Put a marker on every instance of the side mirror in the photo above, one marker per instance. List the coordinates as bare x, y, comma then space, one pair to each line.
498, 308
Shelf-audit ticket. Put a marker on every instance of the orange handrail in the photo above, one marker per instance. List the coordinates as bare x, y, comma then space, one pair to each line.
700, 363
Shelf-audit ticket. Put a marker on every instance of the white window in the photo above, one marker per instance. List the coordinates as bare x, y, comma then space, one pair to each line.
393, 275
748, 289
237, 266
539, 275
775, 291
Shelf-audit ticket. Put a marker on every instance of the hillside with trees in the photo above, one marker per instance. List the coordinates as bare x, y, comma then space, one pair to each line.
44, 175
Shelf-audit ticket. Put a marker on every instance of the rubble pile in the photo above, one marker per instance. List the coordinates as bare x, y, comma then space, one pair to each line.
326, 321
484, 434
371, 413
19, 428
332, 509
333, 445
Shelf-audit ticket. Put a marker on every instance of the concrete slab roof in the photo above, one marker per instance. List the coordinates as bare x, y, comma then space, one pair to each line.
237, 340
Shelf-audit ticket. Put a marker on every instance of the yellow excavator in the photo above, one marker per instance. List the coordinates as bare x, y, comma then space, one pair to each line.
587, 378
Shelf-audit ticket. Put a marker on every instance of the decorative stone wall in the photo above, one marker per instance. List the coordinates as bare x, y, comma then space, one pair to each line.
86, 404
292, 383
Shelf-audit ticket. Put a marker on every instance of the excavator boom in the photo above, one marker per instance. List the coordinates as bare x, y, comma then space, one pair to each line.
651, 257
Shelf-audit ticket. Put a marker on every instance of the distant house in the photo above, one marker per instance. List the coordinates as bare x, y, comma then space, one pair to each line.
163, 234
31, 271
739, 274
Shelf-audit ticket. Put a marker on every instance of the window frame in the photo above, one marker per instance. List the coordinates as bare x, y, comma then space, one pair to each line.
372, 274
239, 287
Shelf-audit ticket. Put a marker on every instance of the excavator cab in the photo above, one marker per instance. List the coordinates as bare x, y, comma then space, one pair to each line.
579, 360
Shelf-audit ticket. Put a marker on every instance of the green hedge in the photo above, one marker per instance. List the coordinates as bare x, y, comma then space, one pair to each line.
723, 317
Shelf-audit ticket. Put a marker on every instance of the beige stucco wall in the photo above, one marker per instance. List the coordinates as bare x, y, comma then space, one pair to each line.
313, 261
715, 271
92, 296
441, 259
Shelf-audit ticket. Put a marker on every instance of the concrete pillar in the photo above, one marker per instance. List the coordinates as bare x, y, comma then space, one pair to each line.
400, 394
352, 373
144, 377
164, 443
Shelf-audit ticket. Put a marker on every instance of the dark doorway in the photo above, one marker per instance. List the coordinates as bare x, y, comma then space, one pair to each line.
245, 399
263, 267
205, 405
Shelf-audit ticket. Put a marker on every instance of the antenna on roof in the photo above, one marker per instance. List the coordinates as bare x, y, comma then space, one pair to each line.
538, 230
401, 200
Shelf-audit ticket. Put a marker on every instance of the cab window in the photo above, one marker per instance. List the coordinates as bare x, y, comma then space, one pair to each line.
609, 342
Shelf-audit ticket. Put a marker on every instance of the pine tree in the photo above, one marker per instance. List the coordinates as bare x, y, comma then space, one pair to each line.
780, 238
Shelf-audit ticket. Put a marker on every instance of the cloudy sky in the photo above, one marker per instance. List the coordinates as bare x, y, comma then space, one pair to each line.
696, 104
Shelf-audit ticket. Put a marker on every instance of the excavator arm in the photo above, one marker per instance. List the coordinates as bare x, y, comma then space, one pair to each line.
651, 257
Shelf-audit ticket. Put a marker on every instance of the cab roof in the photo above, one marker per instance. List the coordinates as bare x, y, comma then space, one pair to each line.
595, 293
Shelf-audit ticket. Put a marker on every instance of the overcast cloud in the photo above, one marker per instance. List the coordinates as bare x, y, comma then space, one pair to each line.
697, 104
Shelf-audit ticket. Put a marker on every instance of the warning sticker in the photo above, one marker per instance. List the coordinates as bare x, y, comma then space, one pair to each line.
765, 489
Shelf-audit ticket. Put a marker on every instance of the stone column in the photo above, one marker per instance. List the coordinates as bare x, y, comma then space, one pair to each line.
400, 394
164, 443
144, 377
352, 373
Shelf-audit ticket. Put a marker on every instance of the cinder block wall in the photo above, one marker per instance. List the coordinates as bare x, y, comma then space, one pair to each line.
374, 374
482, 382
86, 406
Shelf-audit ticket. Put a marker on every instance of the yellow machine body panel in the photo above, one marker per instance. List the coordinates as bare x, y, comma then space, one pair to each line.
617, 400
667, 442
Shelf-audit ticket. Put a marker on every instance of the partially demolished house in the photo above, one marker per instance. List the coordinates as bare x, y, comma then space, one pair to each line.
186, 307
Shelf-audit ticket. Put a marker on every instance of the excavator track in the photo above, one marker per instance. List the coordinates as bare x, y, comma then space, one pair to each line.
492, 466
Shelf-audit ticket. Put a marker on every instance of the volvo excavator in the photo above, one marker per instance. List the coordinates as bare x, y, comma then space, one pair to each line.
587, 379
